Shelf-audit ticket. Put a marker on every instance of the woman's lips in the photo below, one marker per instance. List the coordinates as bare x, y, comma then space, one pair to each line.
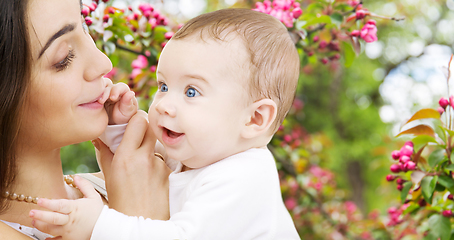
94, 104
170, 137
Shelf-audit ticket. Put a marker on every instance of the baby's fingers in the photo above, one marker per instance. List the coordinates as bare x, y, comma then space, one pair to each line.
47, 217
85, 187
118, 90
48, 228
128, 104
61, 205
107, 91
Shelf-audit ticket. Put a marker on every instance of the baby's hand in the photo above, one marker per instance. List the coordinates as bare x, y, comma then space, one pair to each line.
120, 102
70, 219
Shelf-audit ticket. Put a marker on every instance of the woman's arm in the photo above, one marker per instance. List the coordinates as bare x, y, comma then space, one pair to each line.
8, 233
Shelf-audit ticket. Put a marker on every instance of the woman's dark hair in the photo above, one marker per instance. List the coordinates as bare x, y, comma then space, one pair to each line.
15, 65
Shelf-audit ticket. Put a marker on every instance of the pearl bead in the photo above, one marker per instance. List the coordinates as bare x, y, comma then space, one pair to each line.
13, 196
21, 197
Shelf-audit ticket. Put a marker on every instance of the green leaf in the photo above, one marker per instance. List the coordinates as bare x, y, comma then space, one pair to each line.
349, 53
436, 157
440, 226
428, 184
423, 139
446, 181
315, 6
450, 167
413, 207
430, 236
405, 190
318, 20
337, 18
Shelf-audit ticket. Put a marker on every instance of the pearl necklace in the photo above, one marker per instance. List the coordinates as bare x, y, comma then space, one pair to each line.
29, 199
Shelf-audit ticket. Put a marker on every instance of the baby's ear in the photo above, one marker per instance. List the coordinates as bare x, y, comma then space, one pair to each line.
261, 115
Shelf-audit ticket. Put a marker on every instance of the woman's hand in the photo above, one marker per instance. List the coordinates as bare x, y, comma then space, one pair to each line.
136, 180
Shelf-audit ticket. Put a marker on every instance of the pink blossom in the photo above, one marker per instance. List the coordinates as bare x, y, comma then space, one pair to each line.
152, 23
406, 150
290, 203
287, 138
144, 7
410, 166
404, 158
390, 178
372, 22
447, 213
140, 63
112, 73
298, 104
395, 168
440, 110
443, 102
353, 3
369, 33
85, 11
153, 68
168, 35
350, 207
135, 72
323, 44
111, 10
355, 33
93, 6
395, 154
88, 21
296, 13
360, 14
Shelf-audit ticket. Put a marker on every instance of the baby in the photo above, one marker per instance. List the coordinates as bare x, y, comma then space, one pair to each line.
226, 81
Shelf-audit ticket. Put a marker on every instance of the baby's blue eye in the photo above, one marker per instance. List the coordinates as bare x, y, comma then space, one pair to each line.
191, 92
163, 88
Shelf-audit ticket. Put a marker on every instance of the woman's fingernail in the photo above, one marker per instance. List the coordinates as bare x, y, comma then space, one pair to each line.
31, 214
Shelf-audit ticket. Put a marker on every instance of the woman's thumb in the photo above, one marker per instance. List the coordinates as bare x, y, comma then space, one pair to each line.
104, 157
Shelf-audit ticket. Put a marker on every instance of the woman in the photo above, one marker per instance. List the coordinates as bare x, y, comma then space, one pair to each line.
51, 77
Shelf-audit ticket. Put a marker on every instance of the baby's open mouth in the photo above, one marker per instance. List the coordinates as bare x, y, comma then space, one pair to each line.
172, 134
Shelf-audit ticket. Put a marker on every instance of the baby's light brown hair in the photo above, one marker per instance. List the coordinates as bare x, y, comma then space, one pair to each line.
274, 60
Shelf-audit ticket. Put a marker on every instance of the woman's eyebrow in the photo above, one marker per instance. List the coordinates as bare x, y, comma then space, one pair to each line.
66, 29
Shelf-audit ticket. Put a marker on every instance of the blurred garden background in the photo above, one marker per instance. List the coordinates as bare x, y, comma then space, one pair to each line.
366, 68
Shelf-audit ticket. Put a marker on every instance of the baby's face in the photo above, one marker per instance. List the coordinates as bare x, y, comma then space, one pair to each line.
200, 106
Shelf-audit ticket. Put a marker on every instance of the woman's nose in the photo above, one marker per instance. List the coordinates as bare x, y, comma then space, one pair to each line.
97, 63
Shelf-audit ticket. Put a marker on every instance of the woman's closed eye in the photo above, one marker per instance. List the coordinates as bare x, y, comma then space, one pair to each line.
192, 92
64, 64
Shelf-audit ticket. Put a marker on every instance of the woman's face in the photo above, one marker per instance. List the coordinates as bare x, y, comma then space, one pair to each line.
66, 77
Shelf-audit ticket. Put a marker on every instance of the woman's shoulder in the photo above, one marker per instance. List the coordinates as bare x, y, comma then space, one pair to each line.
10, 233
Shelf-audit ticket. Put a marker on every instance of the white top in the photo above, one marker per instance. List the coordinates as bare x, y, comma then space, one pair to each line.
236, 198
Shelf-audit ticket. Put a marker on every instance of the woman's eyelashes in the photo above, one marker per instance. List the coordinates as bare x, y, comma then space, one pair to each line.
64, 64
